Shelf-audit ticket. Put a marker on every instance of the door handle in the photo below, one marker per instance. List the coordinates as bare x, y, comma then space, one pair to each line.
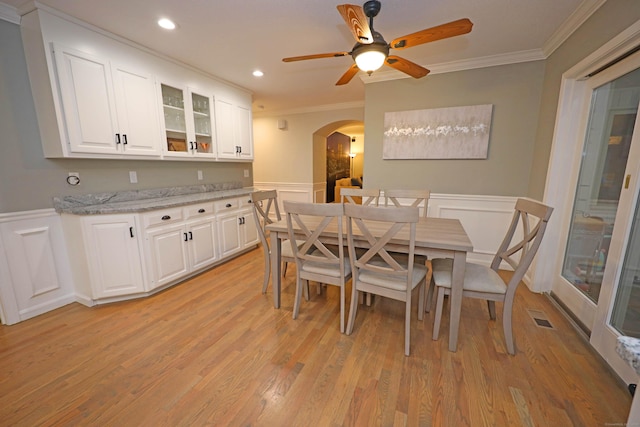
131, 232
190, 235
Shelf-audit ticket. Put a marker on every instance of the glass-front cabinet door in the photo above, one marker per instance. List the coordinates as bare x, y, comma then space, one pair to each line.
188, 122
175, 123
202, 142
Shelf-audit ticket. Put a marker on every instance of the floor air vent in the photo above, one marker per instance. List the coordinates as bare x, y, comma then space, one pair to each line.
540, 319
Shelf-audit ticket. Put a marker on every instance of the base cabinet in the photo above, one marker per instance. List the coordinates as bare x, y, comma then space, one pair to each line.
236, 225
113, 255
179, 241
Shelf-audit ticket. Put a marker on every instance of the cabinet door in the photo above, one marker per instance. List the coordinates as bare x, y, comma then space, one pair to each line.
203, 141
244, 132
168, 252
229, 232
115, 266
87, 100
138, 123
249, 231
202, 243
227, 147
174, 107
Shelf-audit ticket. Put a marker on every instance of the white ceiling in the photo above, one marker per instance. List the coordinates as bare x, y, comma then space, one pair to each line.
231, 38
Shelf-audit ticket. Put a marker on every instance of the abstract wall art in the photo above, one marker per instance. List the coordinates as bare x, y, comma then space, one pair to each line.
439, 133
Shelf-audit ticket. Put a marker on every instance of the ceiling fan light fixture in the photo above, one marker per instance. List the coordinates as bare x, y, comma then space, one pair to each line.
370, 60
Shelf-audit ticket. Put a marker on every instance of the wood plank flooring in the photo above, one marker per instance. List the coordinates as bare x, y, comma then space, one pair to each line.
214, 351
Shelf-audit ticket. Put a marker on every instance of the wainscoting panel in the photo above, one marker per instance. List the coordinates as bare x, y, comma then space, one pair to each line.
39, 277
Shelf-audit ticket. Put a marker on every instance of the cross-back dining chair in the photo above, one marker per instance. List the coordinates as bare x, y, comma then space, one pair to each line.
315, 260
265, 209
419, 198
361, 196
378, 270
483, 282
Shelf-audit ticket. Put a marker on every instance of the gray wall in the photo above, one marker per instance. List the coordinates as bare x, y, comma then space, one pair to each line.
29, 181
513, 90
607, 22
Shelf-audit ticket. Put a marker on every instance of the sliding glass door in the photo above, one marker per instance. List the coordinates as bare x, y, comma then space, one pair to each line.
601, 260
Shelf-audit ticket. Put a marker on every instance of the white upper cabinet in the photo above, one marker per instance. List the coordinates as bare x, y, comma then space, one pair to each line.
234, 130
107, 109
100, 96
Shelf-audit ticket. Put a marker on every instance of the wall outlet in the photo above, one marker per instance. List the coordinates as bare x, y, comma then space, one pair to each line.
133, 177
199, 175
246, 173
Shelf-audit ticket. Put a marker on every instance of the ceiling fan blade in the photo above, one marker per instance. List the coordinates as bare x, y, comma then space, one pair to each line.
346, 77
356, 20
316, 56
406, 66
451, 29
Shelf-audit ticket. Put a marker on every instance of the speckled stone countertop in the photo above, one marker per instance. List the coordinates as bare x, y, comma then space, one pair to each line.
146, 200
629, 349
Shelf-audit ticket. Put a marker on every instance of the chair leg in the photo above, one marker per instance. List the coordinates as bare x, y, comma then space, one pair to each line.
267, 271
436, 321
296, 303
492, 309
342, 298
284, 268
421, 298
431, 287
352, 309
407, 325
306, 291
508, 330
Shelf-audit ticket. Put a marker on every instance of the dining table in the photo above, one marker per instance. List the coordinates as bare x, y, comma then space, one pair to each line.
435, 238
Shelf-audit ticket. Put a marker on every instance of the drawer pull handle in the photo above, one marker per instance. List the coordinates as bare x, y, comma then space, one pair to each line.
228, 205
166, 218
201, 210
131, 232
186, 238
190, 235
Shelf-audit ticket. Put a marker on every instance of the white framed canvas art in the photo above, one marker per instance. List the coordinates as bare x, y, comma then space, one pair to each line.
438, 133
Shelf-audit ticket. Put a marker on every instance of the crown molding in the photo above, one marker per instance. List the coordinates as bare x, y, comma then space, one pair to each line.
573, 22
462, 65
9, 14
314, 109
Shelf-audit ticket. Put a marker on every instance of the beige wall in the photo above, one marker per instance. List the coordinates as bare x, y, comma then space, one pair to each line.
513, 90
29, 181
295, 154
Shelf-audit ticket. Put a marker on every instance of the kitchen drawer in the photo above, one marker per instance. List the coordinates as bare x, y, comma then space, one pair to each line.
245, 202
227, 205
199, 210
161, 217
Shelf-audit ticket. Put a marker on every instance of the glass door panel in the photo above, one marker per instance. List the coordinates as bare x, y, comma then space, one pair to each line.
202, 123
174, 118
625, 316
602, 172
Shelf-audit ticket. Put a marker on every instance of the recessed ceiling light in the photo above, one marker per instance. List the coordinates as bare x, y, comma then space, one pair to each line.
166, 24
258, 73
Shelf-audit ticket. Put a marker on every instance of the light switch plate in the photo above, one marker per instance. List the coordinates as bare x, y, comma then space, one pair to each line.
246, 173
133, 177
199, 175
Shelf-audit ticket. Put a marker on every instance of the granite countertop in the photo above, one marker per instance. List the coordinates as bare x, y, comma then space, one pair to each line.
146, 200
629, 350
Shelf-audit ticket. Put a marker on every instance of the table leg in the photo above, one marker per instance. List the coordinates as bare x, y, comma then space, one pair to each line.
276, 264
457, 281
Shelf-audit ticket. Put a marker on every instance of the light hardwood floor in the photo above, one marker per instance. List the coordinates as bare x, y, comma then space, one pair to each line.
214, 351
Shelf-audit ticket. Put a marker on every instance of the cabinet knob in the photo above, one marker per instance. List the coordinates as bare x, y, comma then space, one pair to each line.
201, 210
228, 205
166, 217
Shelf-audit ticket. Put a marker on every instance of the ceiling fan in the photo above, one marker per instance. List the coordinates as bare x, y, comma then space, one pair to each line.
371, 51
